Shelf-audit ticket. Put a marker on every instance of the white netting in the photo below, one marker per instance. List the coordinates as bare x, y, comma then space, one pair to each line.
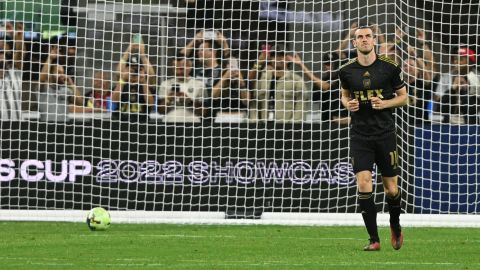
227, 106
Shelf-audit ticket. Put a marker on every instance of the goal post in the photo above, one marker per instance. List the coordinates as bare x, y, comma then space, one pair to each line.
115, 138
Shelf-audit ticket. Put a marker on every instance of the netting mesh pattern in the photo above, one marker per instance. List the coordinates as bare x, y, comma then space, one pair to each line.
228, 105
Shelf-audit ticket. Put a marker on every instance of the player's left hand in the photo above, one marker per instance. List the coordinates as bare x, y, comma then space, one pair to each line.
377, 103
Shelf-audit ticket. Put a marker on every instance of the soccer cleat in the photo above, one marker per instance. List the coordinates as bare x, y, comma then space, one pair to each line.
373, 246
396, 237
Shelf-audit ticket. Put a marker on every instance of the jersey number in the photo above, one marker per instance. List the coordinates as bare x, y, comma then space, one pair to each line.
394, 159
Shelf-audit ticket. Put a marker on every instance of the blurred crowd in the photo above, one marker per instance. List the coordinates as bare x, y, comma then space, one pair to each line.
208, 82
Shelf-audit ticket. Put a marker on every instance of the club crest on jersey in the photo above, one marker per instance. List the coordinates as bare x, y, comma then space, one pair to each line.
367, 83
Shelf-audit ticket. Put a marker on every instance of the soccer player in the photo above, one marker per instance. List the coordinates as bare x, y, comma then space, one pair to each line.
372, 86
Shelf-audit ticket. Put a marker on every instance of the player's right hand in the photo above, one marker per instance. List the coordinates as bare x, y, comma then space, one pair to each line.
353, 105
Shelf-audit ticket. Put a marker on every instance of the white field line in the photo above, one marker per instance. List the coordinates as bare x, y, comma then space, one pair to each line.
274, 237
237, 263
51, 264
243, 237
293, 237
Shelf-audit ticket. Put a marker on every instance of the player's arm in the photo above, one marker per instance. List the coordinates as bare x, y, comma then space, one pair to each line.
348, 102
351, 104
399, 100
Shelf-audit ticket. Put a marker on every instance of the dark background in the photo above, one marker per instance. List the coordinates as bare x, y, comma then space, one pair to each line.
216, 143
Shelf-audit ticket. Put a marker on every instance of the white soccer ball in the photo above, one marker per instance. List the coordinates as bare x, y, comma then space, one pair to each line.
98, 219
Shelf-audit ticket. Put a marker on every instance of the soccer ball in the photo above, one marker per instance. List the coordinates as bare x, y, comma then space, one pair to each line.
98, 219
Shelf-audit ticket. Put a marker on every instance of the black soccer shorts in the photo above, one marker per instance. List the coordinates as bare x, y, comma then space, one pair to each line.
383, 152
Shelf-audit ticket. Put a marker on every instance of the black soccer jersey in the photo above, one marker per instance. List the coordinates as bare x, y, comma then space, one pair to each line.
381, 79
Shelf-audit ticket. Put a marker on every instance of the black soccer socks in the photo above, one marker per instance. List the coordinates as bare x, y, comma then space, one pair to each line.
394, 206
369, 214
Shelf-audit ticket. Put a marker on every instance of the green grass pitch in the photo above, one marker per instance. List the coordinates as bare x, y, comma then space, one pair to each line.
47, 245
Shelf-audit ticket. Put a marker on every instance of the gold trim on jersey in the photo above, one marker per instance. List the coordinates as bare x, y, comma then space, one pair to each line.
349, 62
388, 60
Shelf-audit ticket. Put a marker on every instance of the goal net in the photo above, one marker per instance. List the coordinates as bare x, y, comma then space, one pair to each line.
228, 111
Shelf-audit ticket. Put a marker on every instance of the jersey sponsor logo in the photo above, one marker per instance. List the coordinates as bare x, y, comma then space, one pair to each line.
366, 95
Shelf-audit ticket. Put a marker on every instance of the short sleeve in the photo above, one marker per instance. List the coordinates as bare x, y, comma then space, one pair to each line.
343, 80
398, 78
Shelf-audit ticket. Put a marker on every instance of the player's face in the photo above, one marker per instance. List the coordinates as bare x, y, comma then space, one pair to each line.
364, 40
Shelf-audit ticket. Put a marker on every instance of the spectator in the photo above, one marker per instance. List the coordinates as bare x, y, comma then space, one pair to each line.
214, 38
59, 95
28, 59
136, 51
15, 34
419, 89
101, 94
457, 106
325, 89
389, 50
317, 82
425, 54
279, 94
419, 50
332, 108
261, 63
133, 91
181, 97
209, 48
67, 48
10, 82
346, 49
463, 65
234, 96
